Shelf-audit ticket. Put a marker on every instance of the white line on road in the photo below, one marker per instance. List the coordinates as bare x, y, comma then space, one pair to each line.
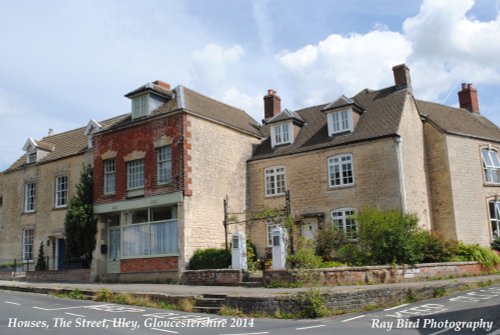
441, 331
390, 309
12, 303
354, 318
166, 331
247, 333
317, 326
82, 316
58, 309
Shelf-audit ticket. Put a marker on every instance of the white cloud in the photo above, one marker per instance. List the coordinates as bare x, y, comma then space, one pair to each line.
442, 45
211, 64
341, 64
262, 15
252, 105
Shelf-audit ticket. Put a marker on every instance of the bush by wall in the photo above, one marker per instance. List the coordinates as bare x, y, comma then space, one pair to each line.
211, 258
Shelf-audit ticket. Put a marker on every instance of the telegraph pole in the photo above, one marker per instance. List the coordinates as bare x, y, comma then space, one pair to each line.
226, 222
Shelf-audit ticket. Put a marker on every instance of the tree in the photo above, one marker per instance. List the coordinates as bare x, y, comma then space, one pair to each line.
80, 226
40, 262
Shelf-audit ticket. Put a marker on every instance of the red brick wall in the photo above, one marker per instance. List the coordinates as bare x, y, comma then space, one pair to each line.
76, 276
149, 264
141, 137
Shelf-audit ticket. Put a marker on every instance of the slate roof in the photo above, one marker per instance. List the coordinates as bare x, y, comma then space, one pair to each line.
62, 145
381, 118
459, 121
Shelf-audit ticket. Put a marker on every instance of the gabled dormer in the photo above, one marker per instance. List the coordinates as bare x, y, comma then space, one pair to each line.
146, 99
92, 127
284, 127
35, 151
342, 115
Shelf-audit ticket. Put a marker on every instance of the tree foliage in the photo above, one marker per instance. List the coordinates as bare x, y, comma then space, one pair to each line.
80, 226
41, 265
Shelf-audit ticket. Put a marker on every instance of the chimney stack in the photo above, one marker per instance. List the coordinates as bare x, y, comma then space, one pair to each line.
467, 98
162, 84
402, 77
272, 104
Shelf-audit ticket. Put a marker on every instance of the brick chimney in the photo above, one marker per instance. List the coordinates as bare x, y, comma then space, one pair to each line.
467, 98
162, 84
402, 77
272, 104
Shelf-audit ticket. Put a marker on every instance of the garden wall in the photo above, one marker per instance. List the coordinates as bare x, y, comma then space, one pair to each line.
69, 276
374, 274
226, 277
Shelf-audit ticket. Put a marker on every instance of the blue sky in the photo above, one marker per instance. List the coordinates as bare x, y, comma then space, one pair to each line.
65, 62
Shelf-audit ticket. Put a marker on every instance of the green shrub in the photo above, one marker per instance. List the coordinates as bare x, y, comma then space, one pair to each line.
41, 265
211, 258
495, 245
331, 264
330, 239
305, 257
390, 237
312, 304
351, 254
473, 252
436, 249
252, 261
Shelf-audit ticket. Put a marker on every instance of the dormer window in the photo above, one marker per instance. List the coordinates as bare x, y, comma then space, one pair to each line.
140, 106
31, 158
281, 134
340, 122
92, 127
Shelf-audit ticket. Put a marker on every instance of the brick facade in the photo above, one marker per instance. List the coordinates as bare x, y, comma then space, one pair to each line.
149, 264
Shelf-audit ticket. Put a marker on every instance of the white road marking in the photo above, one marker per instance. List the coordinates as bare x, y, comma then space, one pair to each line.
390, 309
247, 333
317, 326
82, 316
59, 309
166, 331
12, 303
354, 318
441, 331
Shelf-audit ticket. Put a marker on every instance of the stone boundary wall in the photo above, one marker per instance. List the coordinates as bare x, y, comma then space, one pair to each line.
374, 274
69, 276
227, 277
345, 302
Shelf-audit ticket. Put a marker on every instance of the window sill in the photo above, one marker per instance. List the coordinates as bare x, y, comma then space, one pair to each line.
108, 195
340, 187
137, 192
59, 208
491, 184
275, 196
28, 213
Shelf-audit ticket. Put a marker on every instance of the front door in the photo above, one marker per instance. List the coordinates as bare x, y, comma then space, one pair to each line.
114, 250
60, 251
309, 231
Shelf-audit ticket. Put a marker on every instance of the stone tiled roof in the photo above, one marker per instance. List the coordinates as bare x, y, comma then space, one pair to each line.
381, 118
62, 145
459, 121
286, 115
203, 106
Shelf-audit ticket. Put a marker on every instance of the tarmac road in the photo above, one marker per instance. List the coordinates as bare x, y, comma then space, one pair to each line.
469, 312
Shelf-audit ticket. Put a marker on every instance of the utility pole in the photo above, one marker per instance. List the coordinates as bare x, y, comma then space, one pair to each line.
288, 212
226, 222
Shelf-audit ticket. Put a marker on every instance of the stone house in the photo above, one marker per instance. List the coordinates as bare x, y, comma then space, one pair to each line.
160, 178
382, 149
35, 193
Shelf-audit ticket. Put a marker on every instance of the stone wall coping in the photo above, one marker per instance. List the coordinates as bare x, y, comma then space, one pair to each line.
214, 270
376, 267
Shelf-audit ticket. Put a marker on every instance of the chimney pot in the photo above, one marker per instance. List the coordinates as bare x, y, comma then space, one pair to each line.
272, 104
468, 99
402, 77
162, 84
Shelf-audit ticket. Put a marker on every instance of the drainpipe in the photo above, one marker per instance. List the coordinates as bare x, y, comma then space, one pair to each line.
402, 190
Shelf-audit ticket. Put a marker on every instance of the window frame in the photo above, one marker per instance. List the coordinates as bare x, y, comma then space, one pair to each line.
30, 197
491, 168
344, 220
28, 248
340, 124
340, 164
108, 173
135, 174
61, 194
280, 135
274, 174
494, 220
164, 163
31, 157
140, 106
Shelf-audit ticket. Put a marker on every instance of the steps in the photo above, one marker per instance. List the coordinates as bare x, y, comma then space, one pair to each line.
254, 279
209, 303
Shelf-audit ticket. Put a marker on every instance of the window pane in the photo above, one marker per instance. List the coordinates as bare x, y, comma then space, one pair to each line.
135, 174
164, 238
136, 240
162, 213
109, 176
494, 159
164, 158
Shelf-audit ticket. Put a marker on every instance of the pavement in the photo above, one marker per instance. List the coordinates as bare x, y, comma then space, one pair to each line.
188, 290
